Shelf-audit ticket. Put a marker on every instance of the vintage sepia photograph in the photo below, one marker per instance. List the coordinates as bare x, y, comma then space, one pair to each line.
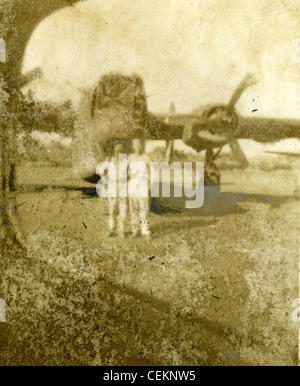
149, 184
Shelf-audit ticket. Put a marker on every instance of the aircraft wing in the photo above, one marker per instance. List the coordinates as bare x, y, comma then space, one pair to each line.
268, 129
258, 129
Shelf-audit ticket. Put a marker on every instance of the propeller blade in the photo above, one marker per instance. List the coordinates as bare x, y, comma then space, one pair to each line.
248, 81
172, 112
172, 109
239, 154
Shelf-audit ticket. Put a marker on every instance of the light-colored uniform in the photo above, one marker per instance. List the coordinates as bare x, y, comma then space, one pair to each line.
117, 206
140, 204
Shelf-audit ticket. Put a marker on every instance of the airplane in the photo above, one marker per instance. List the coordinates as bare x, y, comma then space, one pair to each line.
208, 128
117, 109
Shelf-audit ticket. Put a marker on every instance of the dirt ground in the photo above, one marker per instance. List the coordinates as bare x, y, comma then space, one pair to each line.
213, 286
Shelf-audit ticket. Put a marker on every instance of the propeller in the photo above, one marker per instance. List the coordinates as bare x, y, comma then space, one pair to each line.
247, 82
239, 154
235, 146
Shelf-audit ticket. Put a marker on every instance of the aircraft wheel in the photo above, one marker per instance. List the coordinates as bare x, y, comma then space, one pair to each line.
211, 174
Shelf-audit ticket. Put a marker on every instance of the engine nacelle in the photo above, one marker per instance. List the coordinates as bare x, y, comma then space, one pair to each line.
216, 130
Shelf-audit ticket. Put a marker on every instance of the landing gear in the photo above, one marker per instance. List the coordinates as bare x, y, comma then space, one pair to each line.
229, 129
212, 175
211, 171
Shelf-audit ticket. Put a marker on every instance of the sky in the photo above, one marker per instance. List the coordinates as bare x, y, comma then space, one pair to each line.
187, 52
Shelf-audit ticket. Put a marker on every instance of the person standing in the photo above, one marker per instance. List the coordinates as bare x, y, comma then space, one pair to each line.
116, 192
138, 192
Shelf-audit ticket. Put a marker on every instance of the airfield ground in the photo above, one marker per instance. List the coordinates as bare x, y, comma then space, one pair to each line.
212, 287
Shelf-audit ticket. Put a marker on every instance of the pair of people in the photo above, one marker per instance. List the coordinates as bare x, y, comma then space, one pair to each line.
139, 204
